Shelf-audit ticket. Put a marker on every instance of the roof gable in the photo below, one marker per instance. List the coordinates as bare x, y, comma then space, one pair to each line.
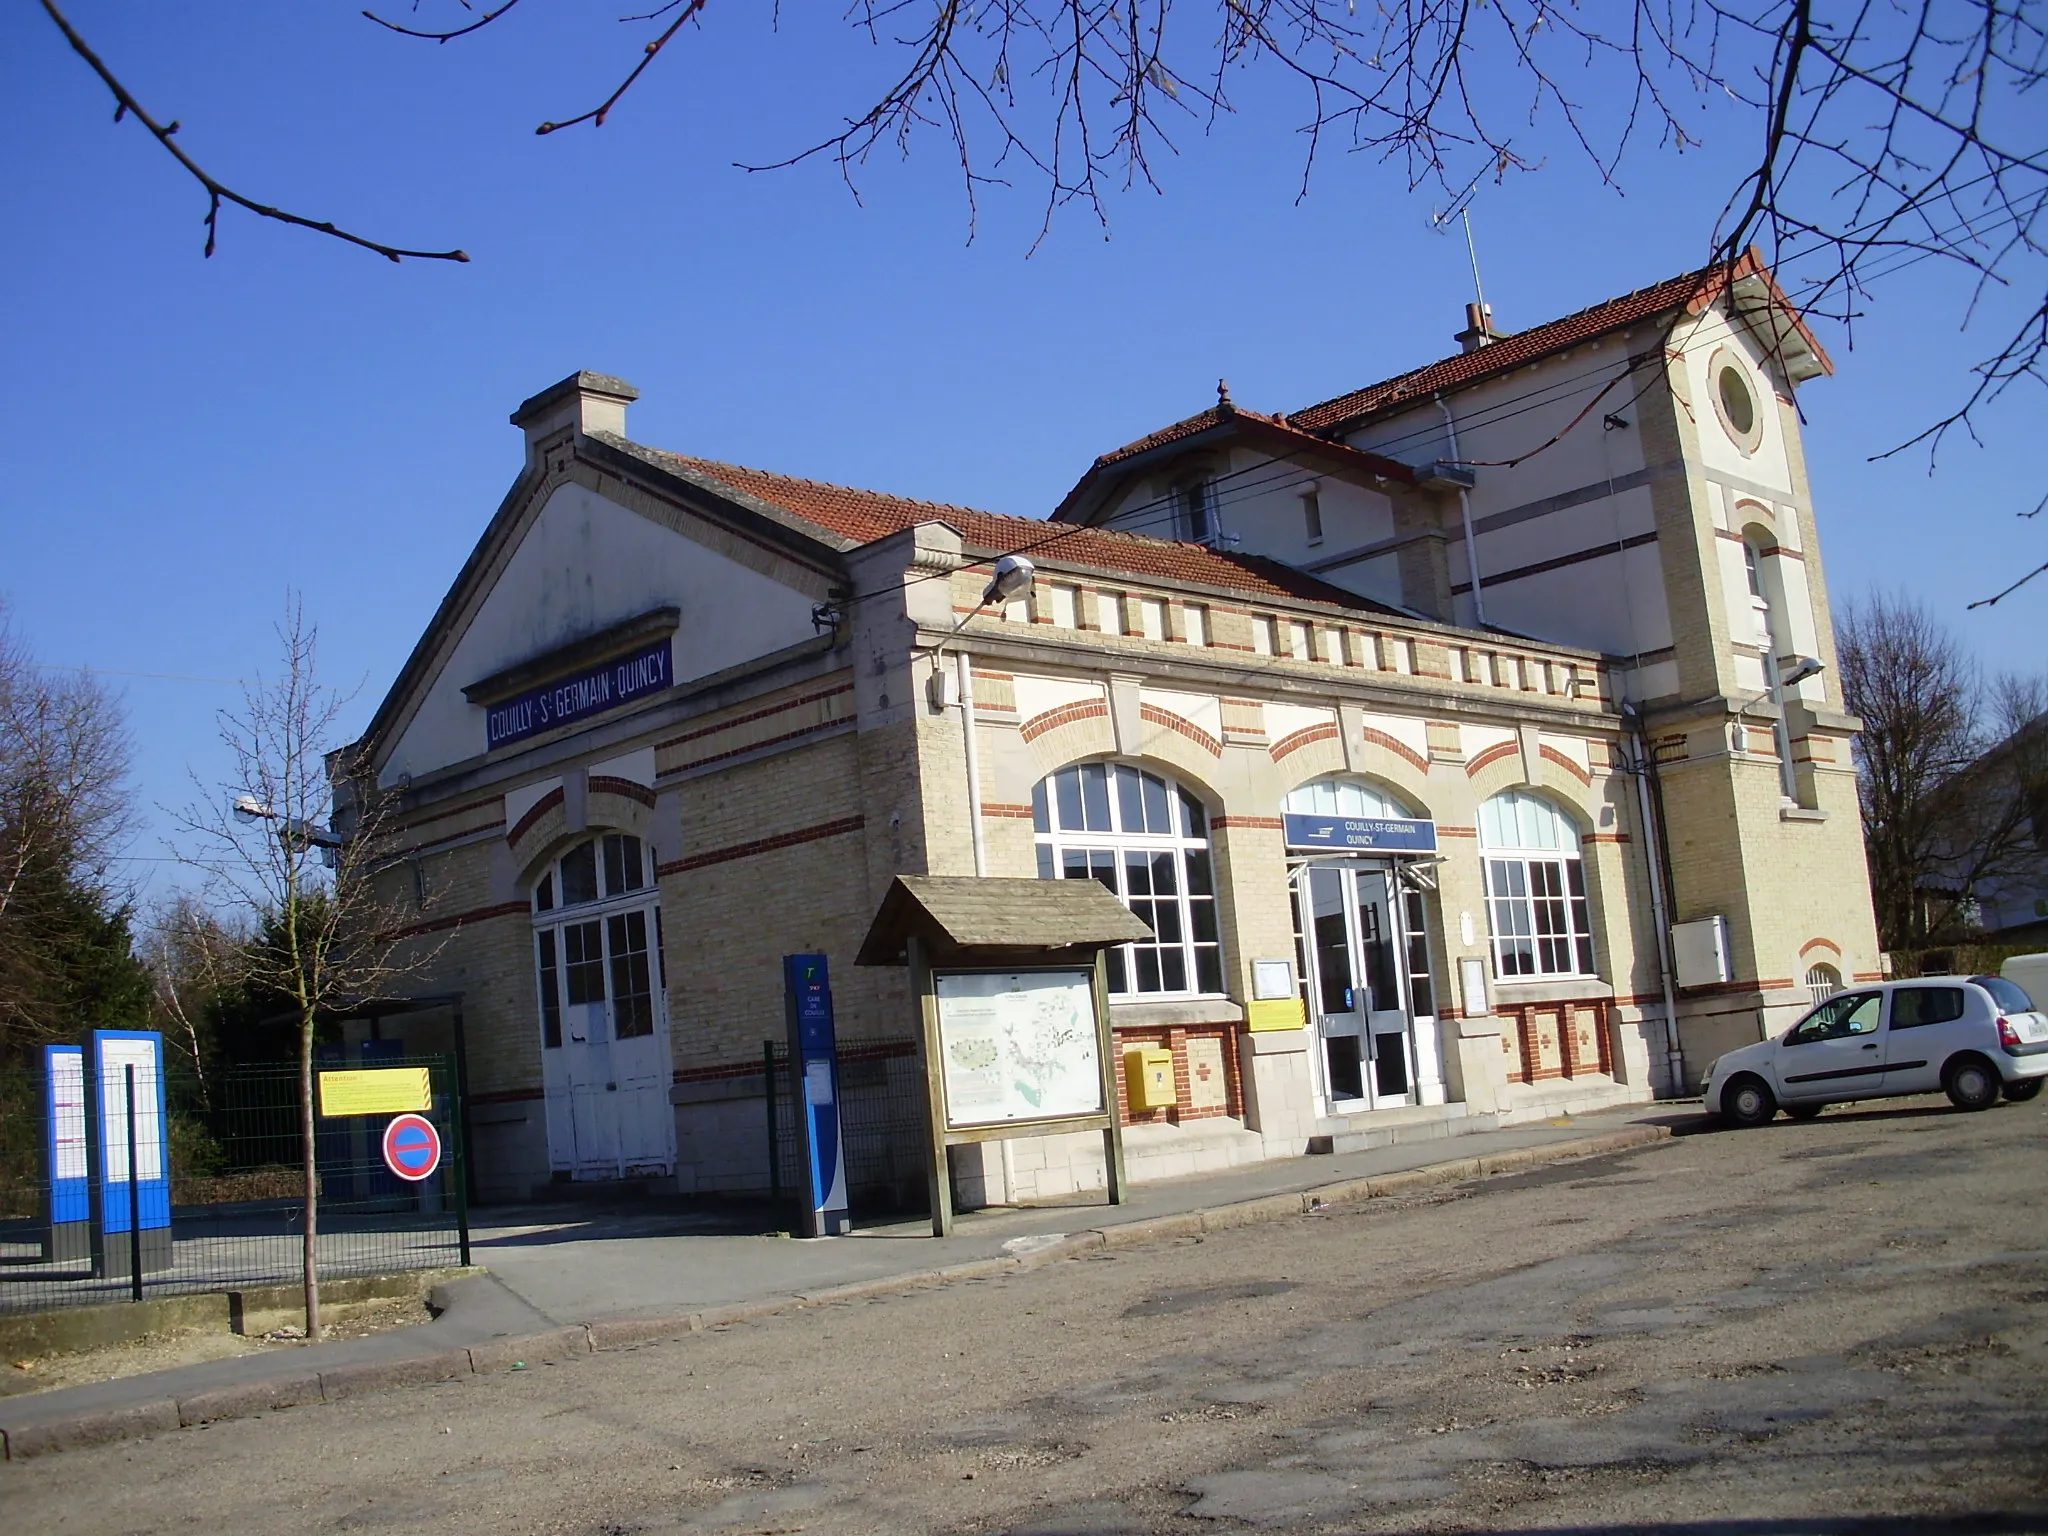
1224, 421
1691, 292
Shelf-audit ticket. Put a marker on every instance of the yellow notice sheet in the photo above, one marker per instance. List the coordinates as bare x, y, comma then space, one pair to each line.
374, 1091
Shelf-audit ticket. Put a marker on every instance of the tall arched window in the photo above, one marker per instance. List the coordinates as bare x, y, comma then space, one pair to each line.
1147, 840
595, 923
1766, 605
1536, 906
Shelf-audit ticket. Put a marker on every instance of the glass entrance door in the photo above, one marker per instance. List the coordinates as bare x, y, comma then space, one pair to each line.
1353, 949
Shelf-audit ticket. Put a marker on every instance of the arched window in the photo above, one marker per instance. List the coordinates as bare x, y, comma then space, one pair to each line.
1536, 906
1147, 840
595, 921
1823, 982
1343, 797
1764, 604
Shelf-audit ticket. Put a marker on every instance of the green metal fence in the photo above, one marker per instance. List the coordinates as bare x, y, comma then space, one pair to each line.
237, 1194
882, 1125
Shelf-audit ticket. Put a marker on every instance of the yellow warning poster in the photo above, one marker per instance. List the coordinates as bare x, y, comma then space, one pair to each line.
374, 1091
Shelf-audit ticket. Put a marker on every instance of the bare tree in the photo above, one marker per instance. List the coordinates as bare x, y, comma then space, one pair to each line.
1944, 767
1874, 137
265, 844
65, 807
193, 958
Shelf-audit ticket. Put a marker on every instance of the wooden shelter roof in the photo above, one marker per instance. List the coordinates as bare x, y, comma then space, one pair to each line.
951, 913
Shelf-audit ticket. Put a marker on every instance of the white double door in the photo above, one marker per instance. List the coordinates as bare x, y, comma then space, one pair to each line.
605, 1058
1358, 935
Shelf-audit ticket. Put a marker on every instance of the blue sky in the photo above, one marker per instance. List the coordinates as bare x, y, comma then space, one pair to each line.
191, 437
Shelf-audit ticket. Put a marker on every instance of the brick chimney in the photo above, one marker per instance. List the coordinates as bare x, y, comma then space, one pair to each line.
583, 402
1479, 331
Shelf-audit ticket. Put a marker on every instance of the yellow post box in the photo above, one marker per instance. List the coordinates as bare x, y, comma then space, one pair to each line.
1148, 1077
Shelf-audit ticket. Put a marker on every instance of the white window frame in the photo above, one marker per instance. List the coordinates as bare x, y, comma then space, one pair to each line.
1194, 510
1538, 909
555, 918
1106, 853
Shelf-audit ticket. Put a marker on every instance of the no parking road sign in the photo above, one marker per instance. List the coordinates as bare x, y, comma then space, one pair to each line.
412, 1147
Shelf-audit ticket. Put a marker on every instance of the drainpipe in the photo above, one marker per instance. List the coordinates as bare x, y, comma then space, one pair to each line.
1465, 512
968, 725
970, 728
1674, 1055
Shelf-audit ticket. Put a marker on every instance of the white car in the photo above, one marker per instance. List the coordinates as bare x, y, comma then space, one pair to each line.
1973, 1037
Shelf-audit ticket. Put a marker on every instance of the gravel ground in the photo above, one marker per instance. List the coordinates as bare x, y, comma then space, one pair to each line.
1830, 1327
164, 1351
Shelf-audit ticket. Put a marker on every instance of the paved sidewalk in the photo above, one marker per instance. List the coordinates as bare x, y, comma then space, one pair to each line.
564, 1282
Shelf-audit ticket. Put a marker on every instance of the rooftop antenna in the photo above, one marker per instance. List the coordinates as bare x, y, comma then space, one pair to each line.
1472, 249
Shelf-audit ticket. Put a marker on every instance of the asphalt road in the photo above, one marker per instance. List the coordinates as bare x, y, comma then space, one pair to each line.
1838, 1326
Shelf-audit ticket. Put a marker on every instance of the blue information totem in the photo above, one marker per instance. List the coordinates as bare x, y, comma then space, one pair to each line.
814, 1059
130, 1195
67, 1238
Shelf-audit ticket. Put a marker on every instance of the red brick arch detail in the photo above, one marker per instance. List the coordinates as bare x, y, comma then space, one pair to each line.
1399, 748
606, 784
1181, 724
1065, 714
1474, 766
1500, 749
1308, 735
1812, 944
1552, 755
547, 802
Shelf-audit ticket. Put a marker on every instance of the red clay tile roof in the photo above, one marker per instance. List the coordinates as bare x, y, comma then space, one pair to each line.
1192, 426
1693, 291
869, 515
1252, 424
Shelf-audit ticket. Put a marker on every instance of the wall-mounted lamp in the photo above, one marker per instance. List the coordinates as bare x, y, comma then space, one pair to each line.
1801, 669
1012, 579
1613, 421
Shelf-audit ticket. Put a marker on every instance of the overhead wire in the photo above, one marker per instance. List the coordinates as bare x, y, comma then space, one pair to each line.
1255, 481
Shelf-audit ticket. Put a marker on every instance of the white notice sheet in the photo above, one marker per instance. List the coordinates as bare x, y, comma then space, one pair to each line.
1019, 1046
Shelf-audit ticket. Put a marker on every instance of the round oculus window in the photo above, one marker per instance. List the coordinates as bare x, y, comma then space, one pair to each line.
1738, 406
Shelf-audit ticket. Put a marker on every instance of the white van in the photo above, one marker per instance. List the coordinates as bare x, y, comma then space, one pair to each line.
2030, 974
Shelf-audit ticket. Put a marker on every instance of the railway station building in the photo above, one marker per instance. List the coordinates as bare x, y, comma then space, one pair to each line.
1471, 744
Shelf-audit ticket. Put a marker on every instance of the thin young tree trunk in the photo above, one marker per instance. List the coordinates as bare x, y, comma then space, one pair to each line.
310, 1241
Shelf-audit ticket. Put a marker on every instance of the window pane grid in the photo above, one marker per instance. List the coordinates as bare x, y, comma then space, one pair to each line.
1540, 919
1146, 841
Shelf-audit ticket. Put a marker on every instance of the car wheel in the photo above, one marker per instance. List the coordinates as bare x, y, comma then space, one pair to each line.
1972, 1083
1748, 1101
1804, 1111
2024, 1089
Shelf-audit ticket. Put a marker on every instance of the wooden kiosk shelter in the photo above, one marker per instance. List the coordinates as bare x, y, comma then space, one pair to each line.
1013, 1012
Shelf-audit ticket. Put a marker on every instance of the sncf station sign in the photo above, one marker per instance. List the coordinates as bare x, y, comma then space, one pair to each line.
617, 682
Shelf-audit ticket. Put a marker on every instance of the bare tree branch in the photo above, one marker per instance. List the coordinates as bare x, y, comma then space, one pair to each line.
442, 37
1987, 602
216, 193
597, 114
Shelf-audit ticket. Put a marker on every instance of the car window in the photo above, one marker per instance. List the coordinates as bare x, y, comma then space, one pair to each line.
2010, 996
1847, 1013
1914, 1006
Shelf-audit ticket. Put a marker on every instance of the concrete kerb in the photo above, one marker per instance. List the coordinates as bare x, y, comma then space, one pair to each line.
561, 1344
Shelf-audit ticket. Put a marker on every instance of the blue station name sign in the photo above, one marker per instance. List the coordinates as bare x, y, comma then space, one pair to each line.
564, 701
1360, 834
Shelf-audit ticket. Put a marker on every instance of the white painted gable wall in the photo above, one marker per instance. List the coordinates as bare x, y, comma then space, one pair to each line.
585, 563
